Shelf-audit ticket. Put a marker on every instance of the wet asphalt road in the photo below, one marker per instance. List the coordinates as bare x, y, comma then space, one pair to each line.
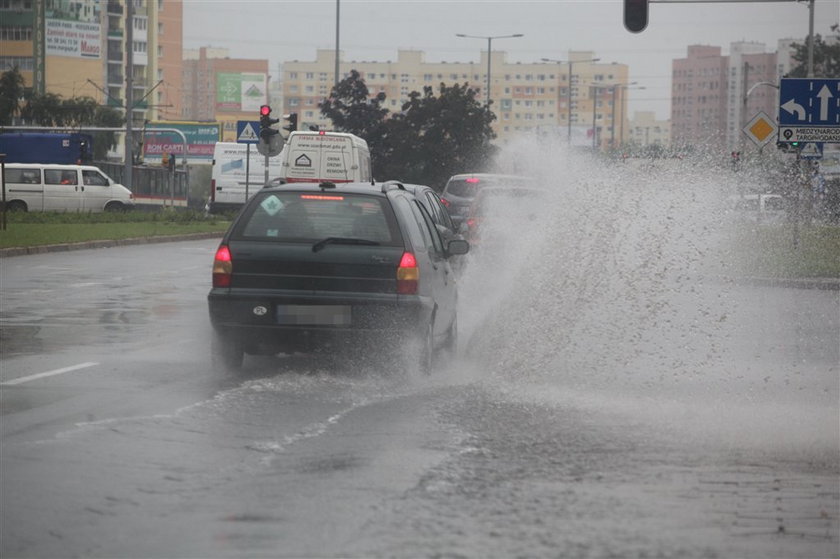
119, 441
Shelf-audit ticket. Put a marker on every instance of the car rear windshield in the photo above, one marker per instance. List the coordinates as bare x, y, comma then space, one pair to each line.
313, 216
465, 188
468, 187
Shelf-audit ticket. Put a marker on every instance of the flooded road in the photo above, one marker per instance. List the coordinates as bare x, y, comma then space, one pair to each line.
619, 393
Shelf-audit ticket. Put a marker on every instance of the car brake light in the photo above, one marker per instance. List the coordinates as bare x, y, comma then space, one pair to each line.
212, 190
445, 202
471, 180
407, 275
222, 267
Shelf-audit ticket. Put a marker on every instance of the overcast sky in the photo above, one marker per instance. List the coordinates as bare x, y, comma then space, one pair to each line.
282, 30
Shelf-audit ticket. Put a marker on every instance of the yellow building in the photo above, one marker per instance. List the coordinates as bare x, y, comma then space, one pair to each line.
78, 48
526, 98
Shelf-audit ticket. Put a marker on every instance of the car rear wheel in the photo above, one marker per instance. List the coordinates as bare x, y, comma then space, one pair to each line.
450, 346
227, 354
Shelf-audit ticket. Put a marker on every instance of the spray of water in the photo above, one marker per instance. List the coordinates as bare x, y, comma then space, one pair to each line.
618, 292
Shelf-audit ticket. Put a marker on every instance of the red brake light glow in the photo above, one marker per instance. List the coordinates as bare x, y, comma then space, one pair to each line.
320, 197
407, 275
222, 267
445, 202
472, 180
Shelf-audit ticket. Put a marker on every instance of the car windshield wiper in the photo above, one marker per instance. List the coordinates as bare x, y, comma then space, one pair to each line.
341, 241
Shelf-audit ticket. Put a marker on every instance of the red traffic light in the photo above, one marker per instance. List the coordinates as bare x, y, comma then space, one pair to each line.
265, 110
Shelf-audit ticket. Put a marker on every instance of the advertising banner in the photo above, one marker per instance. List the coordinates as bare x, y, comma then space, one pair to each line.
240, 92
201, 140
72, 29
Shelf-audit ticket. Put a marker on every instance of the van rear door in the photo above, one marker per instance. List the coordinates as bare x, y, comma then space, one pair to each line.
321, 157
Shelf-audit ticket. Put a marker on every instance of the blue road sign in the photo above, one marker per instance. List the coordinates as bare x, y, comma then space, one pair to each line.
809, 110
247, 131
809, 102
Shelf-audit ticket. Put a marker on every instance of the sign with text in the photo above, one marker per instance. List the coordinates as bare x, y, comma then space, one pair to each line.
809, 110
73, 29
201, 140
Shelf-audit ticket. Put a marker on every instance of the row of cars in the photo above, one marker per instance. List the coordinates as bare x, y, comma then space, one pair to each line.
310, 267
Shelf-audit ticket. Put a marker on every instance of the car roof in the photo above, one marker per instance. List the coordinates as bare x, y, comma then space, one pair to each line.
488, 176
347, 187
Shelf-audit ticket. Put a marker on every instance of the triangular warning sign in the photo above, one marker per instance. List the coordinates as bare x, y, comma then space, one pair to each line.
810, 150
248, 133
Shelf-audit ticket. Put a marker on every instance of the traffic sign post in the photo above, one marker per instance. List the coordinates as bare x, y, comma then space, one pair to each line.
246, 133
809, 110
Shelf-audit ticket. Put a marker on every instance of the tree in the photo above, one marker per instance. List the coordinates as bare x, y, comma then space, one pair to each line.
11, 92
351, 109
434, 138
431, 139
826, 59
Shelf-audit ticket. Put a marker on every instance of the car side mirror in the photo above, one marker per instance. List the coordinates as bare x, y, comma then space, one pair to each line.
457, 246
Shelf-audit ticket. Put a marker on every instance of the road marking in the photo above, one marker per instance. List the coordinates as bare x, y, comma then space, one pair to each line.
54, 372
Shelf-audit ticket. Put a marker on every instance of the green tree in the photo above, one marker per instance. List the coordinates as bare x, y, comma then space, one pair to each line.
351, 109
435, 137
431, 139
11, 92
826, 59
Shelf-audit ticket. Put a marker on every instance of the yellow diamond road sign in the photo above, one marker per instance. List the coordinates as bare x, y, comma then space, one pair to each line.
760, 129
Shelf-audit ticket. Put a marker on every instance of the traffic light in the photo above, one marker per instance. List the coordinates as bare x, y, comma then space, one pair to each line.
293, 122
635, 15
266, 131
789, 147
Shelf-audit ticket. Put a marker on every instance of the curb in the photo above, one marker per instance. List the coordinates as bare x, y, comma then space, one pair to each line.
66, 247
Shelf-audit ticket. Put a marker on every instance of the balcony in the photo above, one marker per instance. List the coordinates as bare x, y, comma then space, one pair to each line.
115, 8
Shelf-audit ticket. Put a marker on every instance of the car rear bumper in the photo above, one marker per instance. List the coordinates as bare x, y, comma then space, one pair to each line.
263, 318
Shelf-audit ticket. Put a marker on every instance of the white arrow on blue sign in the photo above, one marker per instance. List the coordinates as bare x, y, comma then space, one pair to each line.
809, 102
246, 131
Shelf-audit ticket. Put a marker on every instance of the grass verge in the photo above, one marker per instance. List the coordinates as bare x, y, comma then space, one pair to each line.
809, 251
48, 228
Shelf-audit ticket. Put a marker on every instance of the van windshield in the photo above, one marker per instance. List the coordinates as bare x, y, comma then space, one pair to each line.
315, 216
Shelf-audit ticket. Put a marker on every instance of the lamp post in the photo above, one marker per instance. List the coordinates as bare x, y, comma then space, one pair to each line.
489, 51
569, 93
617, 87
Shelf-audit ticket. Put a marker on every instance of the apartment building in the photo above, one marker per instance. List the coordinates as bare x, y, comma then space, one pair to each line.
223, 89
78, 48
714, 96
526, 98
646, 130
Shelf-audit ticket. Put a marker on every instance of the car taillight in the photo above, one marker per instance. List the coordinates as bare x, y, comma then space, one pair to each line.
212, 190
445, 202
407, 275
222, 267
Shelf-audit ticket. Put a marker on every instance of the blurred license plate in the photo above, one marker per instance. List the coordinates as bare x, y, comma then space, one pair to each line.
314, 315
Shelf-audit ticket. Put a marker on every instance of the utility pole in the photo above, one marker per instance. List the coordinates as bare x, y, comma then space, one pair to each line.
129, 93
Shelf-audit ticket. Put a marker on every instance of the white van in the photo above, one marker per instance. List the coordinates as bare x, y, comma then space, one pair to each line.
44, 187
325, 156
234, 172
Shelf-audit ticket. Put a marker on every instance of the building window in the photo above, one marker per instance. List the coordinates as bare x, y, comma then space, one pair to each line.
16, 33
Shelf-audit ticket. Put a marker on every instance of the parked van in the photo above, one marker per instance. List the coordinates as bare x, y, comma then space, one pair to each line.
325, 156
234, 172
760, 207
44, 187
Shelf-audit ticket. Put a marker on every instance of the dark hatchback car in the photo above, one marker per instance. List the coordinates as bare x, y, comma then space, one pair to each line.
308, 267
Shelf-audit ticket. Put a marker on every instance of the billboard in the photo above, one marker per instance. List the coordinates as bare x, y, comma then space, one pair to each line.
241, 92
201, 140
73, 29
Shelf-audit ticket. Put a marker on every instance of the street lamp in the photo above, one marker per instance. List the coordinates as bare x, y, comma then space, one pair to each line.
569, 95
617, 87
489, 51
